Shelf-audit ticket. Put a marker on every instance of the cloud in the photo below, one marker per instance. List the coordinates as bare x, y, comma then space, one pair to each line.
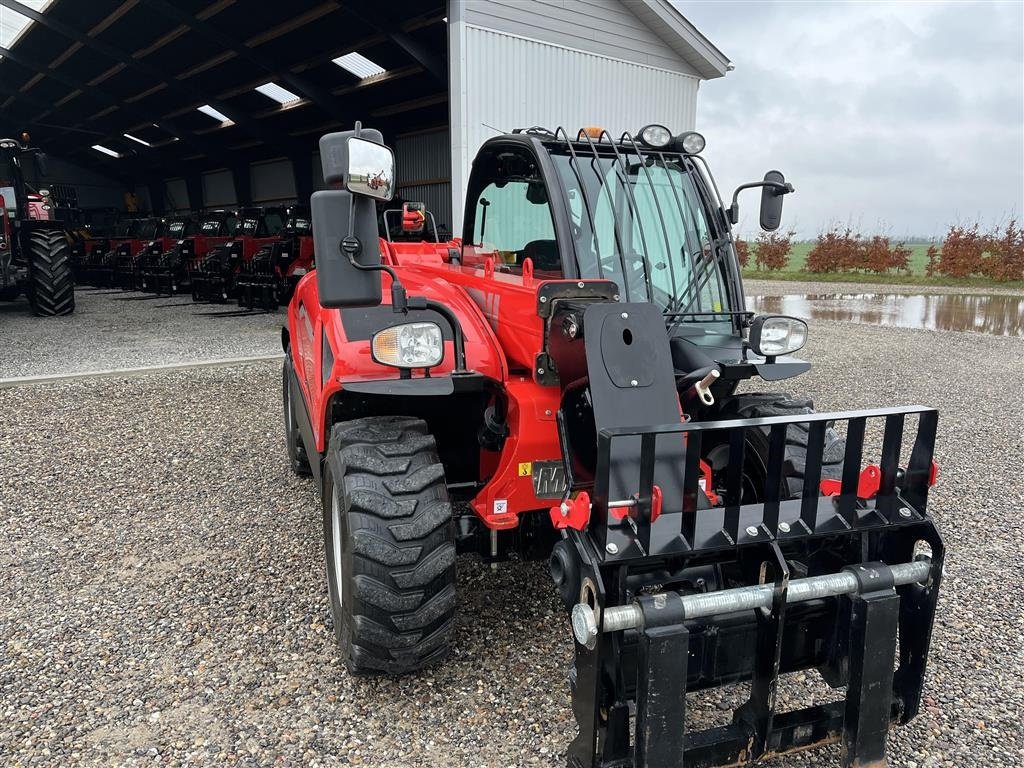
910, 114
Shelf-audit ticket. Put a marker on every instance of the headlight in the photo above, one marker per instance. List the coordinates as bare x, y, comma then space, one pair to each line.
412, 345
773, 335
692, 143
44, 192
655, 136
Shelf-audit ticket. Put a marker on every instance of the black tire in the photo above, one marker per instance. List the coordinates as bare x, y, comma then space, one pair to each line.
297, 458
751, 406
390, 544
51, 276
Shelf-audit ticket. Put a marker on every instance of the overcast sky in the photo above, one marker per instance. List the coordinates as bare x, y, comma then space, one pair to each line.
899, 117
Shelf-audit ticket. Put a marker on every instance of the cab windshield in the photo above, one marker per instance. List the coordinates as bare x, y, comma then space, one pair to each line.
639, 220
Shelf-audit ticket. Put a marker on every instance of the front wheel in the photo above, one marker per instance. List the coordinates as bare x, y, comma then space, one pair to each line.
763, 405
51, 278
390, 544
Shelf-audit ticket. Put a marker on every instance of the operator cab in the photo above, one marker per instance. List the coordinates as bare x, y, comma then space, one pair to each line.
261, 222
592, 207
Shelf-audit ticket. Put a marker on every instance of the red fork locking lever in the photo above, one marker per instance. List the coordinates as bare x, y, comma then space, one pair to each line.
575, 513
870, 482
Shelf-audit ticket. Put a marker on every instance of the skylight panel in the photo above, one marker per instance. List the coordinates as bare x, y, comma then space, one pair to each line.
137, 140
104, 150
206, 109
13, 25
277, 93
359, 65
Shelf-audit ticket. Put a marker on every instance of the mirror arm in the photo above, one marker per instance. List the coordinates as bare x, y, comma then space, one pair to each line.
351, 248
778, 189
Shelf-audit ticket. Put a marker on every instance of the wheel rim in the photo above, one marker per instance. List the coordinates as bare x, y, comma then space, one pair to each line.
751, 482
339, 582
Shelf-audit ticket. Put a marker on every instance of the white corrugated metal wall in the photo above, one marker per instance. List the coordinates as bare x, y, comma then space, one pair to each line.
507, 82
423, 169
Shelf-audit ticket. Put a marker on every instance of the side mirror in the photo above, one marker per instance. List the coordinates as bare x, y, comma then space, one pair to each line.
771, 200
359, 161
345, 220
42, 164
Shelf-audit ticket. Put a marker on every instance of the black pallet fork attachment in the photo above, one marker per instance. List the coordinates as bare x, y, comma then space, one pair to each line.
678, 595
873, 574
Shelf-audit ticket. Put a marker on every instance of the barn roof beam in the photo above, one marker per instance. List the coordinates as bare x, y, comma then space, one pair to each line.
138, 115
275, 70
243, 121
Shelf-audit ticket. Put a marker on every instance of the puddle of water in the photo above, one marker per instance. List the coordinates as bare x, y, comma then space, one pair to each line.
995, 315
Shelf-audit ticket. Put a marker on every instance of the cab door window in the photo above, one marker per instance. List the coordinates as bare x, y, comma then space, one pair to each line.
512, 219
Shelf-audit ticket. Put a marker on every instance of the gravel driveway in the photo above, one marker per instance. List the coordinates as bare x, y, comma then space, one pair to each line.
127, 329
163, 600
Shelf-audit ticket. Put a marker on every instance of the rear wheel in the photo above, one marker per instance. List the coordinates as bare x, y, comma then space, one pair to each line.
390, 543
51, 278
298, 460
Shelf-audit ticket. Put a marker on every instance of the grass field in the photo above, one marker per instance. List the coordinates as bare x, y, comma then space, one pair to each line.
917, 276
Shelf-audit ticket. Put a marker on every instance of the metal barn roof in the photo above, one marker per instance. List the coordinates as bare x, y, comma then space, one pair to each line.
145, 89
179, 85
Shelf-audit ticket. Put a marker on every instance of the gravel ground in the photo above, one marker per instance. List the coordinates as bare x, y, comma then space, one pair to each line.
125, 329
164, 599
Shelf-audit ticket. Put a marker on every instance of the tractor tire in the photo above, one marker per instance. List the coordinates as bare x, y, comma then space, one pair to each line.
297, 458
753, 406
51, 277
389, 537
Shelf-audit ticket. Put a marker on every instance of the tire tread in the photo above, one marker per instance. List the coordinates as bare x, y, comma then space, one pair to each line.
402, 598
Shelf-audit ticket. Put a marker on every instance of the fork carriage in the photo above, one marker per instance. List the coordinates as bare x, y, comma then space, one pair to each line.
676, 595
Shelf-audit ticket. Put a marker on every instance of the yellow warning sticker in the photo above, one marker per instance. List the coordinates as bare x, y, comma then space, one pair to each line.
525, 468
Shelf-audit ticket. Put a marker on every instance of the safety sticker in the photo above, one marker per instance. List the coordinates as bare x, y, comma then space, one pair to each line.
525, 468
500, 506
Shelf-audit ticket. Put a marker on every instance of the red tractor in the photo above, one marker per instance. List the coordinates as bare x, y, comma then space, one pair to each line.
214, 276
571, 372
35, 259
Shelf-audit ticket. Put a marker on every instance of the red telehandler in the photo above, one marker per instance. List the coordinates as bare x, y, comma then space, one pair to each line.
268, 279
571, 370
170, 271
214, 276
35, 259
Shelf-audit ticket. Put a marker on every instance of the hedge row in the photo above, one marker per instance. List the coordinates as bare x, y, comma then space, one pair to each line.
997, 254
966, 251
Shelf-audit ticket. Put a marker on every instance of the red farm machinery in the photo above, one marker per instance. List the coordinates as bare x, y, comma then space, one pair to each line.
185, 243
567, 379
215, 275
35, 259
